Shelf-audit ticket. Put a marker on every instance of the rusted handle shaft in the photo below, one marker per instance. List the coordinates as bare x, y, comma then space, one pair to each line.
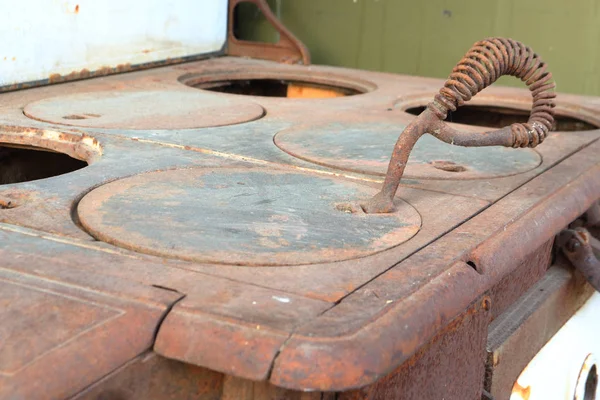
482, 65
576, 246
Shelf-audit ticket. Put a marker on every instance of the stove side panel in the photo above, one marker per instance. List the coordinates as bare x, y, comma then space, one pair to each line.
51, 41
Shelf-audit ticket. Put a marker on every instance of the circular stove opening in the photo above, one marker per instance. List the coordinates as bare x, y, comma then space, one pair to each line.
295, 85
499, 117
28, 154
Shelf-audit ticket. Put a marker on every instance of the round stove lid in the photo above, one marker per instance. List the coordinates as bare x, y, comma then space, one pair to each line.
249, 216
158, 109
366, 148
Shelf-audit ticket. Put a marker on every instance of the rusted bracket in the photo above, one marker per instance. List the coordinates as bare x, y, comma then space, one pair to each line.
289, 49
483, 64
578, 245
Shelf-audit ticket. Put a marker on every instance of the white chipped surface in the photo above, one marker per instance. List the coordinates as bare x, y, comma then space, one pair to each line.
554, 371
45, 37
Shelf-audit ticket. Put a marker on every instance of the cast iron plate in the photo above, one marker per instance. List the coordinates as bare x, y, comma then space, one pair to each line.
250, 216
160, 109
367, 148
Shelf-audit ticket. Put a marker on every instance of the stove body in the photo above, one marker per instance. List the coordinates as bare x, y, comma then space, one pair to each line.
186, 230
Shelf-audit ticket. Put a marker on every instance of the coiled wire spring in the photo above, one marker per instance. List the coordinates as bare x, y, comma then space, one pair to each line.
485, 62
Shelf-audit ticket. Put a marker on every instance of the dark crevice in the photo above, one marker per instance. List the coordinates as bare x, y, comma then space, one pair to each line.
166, 313
29, 164
273, 87
291, 334
499, 117
272, 366
166, 288
474, 266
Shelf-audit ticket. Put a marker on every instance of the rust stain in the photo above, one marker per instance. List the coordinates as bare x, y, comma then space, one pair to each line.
523, 392
486, 304
85, 73
54, 78
77, 9
81, 147
448, 166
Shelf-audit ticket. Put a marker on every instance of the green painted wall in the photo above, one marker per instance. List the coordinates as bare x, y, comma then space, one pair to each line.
428, 37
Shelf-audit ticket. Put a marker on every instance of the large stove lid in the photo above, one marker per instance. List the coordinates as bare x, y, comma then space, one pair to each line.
243, 216
45, 41
145, 109
366, 148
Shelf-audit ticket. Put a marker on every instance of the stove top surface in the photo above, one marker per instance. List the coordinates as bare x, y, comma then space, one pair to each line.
246, 207
242, 216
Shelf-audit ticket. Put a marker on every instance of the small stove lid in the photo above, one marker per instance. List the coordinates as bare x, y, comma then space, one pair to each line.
158, 109
366, 148
236, 216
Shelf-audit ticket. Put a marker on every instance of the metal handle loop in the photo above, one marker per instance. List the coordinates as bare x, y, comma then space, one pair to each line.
578, 245
483, 64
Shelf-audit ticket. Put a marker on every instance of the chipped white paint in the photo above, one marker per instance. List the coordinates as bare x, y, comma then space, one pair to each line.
560, 370
281, 299
41, 38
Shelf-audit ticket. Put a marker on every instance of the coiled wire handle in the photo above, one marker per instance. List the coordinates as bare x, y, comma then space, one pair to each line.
483, 64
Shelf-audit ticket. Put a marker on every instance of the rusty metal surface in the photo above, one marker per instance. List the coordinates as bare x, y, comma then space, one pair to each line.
337, 280
95, 322
365, 148
485, 62
247, 313
287, 49
450, 366
249, 354
529, 271
525, 327
247, 325
46, 204
159, 109
249, 217
359, 318
415, 311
